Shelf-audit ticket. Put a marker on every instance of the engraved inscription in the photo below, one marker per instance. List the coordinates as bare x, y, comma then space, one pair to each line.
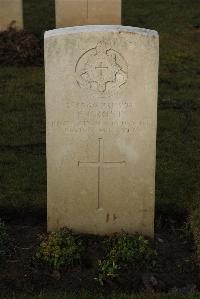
97, 126
102, 69
99, 165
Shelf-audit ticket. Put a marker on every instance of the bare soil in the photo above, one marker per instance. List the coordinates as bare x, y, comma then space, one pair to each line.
176, 268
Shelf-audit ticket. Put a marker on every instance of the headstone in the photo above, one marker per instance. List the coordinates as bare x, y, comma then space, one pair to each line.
87, 12
11, 14
101, 107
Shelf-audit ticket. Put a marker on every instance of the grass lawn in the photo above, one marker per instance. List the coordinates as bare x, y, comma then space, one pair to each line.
22, 140
39, 16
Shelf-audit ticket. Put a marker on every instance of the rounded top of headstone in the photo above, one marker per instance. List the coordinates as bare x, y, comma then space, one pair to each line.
100, 28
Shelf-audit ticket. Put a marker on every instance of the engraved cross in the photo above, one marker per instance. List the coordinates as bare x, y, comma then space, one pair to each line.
101, 68
100, 164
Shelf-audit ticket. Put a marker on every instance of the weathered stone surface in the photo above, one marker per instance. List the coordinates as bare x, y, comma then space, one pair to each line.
101, 107
87, 12
11, 14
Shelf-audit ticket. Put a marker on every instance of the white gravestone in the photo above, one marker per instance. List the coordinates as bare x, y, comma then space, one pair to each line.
11, 14
101, 108
87, 12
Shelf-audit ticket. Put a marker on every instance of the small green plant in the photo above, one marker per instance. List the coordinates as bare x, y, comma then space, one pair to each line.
4, 241
107, 269
60, 249
122, 250
126, 248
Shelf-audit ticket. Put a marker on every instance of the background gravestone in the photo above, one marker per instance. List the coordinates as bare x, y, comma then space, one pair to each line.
11, 14
101, 106
87, 12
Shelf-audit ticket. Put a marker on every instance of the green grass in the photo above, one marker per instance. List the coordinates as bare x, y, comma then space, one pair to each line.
22, 140
177, 23
91, 296
39, 15
178, 176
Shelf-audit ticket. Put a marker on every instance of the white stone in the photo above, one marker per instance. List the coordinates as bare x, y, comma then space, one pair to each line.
101, 108
87, 12
11, 14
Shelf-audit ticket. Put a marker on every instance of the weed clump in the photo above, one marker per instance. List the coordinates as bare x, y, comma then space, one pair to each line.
123, 250
60, 249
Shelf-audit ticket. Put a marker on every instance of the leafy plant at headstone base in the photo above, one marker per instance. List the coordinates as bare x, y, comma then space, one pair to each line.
60, 249
131, 249
123, 250
107, 269
4, 241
